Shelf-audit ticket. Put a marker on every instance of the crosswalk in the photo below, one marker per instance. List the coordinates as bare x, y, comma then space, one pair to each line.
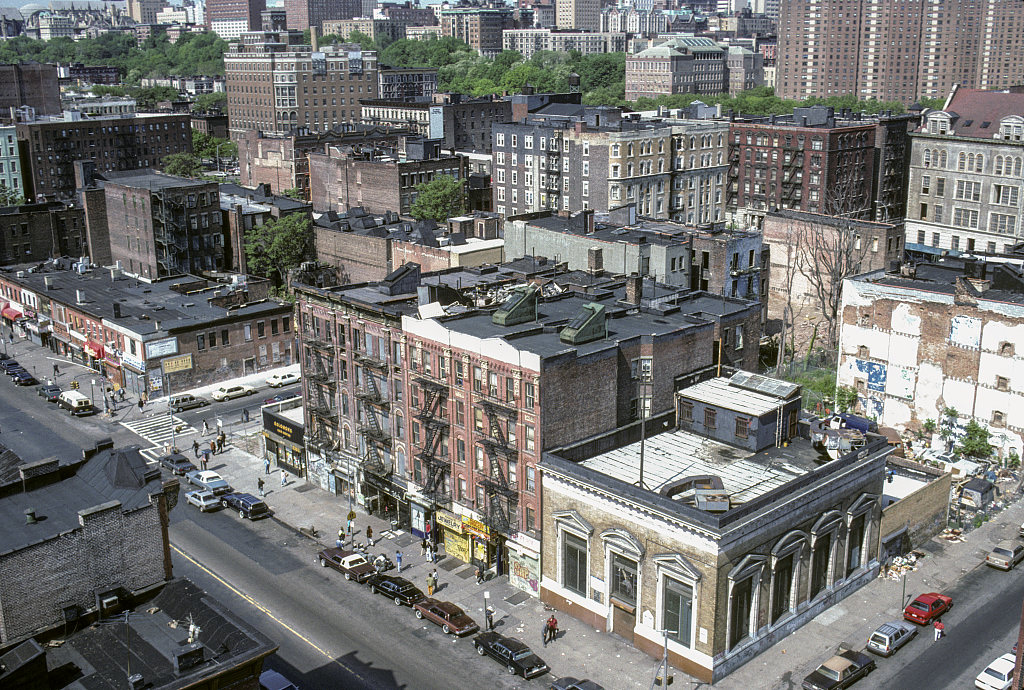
159, 430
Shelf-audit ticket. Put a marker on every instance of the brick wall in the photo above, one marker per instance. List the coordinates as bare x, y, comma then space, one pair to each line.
922, 513
357, 258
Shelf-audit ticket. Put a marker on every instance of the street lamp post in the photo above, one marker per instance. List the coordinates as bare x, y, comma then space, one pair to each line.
218, 155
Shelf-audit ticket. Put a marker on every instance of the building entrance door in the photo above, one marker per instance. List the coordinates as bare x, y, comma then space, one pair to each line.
623, 620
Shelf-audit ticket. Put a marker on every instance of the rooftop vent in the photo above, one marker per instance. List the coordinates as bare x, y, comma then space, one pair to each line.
588, 325
519, 307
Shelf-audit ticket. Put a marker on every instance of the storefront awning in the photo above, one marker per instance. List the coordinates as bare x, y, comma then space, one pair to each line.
94, 349
10, 313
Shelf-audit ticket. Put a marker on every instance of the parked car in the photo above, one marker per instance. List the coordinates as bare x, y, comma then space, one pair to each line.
570, 683
177, 463
998, 675
1005, 555
8, 364
230, 392
927, 607
75, 403
352, 565
23, 378
247, 505
203, 500
49, 391
280, 397
841, 671
889, 637
272, 680
209, 480
450, 617
515, 655
186, 401
401, 590
278, 380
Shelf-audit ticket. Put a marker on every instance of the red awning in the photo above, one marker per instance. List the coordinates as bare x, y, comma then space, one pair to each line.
10, 313
94, 349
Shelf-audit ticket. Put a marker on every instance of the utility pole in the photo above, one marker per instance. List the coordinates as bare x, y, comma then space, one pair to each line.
664, 679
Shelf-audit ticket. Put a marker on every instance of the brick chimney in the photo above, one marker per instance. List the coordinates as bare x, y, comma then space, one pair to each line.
634, 288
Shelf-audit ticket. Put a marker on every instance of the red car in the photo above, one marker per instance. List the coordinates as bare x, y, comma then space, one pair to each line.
927, 608
450, 617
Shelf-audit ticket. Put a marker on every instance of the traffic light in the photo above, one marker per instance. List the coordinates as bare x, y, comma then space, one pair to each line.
74, 385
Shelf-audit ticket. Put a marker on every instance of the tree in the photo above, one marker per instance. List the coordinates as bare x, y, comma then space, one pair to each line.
439, 199
294, 193
9, 197
210, 102
975, 441
206, 147
148, 97
276, 247
182, 165
831, 249
846, 398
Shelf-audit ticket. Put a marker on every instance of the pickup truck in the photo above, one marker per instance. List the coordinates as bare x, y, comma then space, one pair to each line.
841, 671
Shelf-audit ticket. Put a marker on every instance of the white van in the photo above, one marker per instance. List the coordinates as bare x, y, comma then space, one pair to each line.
75, 403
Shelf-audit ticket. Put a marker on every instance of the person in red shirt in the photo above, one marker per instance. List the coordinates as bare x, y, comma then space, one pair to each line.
940, 629
551, 630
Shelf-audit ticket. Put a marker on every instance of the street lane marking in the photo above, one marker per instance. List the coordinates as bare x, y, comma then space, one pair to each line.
263, 609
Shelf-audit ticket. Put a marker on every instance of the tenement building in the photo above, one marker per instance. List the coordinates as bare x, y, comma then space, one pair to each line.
691, 64
933, 337
275, 85
965, 174
738, 529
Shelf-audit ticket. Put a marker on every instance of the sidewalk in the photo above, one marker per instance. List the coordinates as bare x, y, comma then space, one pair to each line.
579, 651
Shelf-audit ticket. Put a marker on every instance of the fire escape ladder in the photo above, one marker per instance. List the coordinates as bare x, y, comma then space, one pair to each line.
435, 428
502, 498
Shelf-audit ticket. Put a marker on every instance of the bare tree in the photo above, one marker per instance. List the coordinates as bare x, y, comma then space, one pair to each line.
832, 248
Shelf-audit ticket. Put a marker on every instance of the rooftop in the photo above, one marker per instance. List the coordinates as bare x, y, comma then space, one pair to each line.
610, 228
742, 393
977, 112
996, 282
147, 178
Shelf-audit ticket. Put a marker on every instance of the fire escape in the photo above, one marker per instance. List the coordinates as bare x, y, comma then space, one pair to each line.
170, 233
500, 514
374, 407
435, 461
321, 391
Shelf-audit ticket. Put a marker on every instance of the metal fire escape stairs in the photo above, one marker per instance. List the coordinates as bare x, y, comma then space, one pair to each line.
501, 512
435, 429
374, 407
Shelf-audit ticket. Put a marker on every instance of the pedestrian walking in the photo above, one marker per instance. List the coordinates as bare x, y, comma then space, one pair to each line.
433, 574
430, 584
195, 447
349, 527
489, 617
398, 560
423, 548
340, 541
284, 477
56, 370
120, 393
369, 536
206, 428
141, 403
940, 630
213, 448
551, 629
259, 485
220, 442
433, 552
479, 576
266, 465
206, 458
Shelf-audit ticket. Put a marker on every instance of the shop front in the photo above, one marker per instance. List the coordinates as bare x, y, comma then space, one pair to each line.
385, 499
38, 330
485, 548
450, 533
133, 374
283, 431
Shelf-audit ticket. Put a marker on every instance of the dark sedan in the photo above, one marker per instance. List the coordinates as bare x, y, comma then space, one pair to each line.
403, 592
281, 397
177, 463
50, 392
8, 364
23, 378
450, 617
516, 656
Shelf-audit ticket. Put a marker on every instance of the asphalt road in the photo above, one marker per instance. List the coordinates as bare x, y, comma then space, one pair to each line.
332, 633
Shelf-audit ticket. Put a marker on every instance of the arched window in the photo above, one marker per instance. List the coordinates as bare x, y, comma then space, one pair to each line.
693, 142
629, 150
942, 159
961, 161
787, 564
979, 163
927, 158
997, 168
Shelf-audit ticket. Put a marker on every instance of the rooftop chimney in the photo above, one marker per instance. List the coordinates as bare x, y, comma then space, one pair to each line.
634, 288
30, 516
313, 39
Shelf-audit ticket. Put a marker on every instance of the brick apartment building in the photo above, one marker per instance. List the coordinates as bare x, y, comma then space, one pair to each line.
691, 64
894, 50
482, 27
229, 19
275, 85
931, 337
408, 14
372, 27
819, 162
133, 331
32, 84
156, 225
532, 40
378, 180
306, 14
441, 421
464, 123
282, 160
567, 157
965, 174
50, 146
37, 232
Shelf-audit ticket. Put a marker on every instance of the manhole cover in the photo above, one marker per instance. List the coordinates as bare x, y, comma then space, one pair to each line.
517, 598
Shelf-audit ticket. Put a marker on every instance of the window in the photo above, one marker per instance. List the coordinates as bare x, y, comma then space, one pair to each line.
201, 342
940, 186
499, 139
1002, 383
709, 417
478, 419
1005, 195
965, 218
574, 563
677, 610
460, 451
623, 579
968, 191
926, 183
528, 434
855, 544
212, 337
478, 458
998, 418
261, 329
742, 427
248, 332
1002, 224
739, 610
685, 411
783, 586
529, 395
531, 479
478, 380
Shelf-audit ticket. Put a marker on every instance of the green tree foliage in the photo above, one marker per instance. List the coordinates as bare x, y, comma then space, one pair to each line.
210, 102
205, 146
9, 197
933, 103
274, 248
294, 193
763, 101
975, 441
147, 98
439, 199
193, 55
846, 398
181, 164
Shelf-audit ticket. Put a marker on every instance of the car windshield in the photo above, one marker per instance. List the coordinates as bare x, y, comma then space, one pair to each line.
522, 655
828, 673
1002, 552
879, 639
996, 674
919, 605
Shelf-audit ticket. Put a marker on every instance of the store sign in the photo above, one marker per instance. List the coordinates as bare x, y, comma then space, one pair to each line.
285, 428
133, 361
457, 545
161, 348
475, 527
175, 364
448, 521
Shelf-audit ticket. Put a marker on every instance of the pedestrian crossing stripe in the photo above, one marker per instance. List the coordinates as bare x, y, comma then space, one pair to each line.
160, 430
152, 454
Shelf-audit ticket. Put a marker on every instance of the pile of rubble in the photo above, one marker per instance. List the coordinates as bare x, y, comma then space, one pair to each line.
901, 565
952, 535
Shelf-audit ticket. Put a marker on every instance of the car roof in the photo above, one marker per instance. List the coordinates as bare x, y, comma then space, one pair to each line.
206, 474
929, 597
1008, 545
892, 626
837, 663
448, 607
1003, 664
